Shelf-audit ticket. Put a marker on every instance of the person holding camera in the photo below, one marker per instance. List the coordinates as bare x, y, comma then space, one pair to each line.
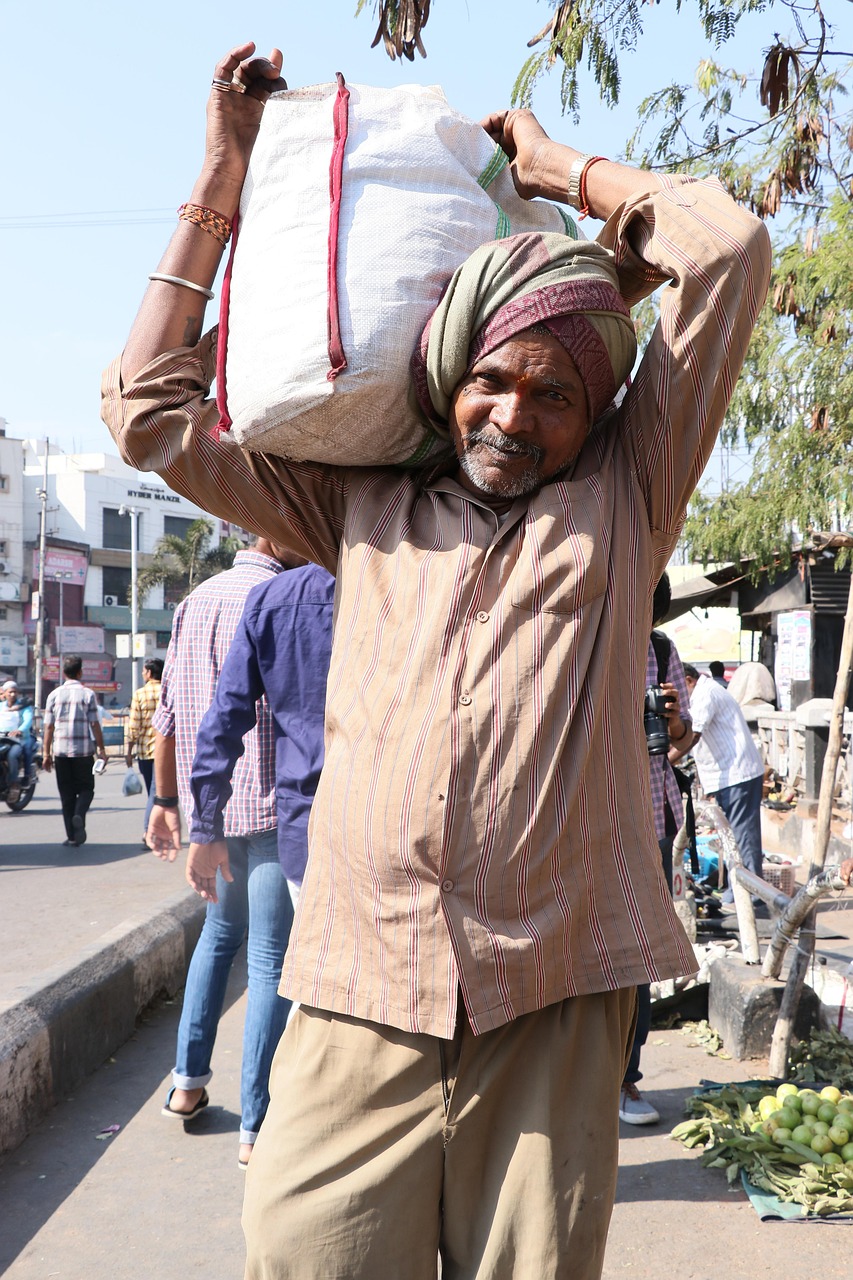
668, 735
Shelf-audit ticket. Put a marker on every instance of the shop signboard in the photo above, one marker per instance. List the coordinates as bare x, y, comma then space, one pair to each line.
80, 639
95, 670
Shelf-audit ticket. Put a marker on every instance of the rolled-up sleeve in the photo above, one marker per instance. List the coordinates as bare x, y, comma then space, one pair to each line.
715, 259
165, 421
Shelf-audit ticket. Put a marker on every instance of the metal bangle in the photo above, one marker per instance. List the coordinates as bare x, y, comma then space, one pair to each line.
573, 190
187, 284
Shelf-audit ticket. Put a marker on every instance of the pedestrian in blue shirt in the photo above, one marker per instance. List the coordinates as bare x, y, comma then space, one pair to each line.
281, 649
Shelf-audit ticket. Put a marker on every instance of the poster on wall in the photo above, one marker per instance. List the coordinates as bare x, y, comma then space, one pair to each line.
793, 652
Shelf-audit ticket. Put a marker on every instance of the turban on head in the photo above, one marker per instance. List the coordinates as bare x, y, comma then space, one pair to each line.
569, 286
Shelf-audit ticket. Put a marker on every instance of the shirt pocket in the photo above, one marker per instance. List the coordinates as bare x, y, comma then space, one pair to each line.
562, 563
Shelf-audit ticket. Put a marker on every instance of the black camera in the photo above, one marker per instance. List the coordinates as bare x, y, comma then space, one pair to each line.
655, 721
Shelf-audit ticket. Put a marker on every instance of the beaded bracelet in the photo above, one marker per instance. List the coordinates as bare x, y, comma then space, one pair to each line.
208, 219
583, 206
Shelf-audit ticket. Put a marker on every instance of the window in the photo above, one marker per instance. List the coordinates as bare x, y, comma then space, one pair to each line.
116, 531
163, 638
176, 525
3, 613
116, 588
4, 484
4, 547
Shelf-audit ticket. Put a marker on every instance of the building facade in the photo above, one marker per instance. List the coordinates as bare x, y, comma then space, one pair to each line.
90, 501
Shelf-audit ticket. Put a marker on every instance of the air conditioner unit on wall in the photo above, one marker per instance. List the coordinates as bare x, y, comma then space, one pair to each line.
110, 602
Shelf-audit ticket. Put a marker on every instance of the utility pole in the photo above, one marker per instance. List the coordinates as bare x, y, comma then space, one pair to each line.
38, 653
61, 577
133, 512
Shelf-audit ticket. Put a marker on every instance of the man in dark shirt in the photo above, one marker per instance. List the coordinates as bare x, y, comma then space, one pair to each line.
282, 649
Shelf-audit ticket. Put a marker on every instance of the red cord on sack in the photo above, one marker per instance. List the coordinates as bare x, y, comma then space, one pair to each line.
340, 115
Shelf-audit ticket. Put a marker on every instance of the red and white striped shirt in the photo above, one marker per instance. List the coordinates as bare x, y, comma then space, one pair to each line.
483, 821
202, 631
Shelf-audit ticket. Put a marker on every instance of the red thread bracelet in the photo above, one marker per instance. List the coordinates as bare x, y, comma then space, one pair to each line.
583, 208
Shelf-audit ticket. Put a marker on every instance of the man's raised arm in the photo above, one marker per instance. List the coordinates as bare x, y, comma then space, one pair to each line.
172, 313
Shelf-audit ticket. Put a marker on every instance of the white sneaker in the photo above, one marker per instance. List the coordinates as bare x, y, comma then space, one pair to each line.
634, 1109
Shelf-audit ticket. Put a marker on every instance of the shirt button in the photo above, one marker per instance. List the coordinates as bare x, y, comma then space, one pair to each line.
465, 699
447, 885
482, 616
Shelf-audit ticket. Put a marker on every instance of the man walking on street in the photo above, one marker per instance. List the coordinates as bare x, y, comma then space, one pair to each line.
281, 652
72, 732
250, 888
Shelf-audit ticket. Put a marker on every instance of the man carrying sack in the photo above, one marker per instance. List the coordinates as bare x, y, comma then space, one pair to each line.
484, 888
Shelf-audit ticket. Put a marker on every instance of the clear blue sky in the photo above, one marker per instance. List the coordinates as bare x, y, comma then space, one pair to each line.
104, 116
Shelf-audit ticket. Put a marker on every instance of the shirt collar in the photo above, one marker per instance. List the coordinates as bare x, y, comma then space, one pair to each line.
258, 558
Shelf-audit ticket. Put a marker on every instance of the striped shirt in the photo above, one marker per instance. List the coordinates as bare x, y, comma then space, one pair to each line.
140, 727
725, 754
202, 632
483, 821
72, 709
661, 777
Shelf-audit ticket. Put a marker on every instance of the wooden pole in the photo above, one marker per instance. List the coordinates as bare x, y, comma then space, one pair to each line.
781, 1043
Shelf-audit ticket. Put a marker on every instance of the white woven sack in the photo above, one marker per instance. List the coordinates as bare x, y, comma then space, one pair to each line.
422, 188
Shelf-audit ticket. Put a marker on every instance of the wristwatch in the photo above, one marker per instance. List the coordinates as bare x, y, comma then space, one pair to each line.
573, 192
166, 802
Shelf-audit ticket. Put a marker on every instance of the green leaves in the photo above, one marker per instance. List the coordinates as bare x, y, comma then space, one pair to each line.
182, 563
720, 1123
793, 407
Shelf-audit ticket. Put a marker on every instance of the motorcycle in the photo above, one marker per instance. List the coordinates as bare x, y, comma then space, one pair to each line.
18, 794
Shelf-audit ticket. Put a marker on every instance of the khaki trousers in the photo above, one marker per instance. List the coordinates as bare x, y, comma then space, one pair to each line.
382, 1151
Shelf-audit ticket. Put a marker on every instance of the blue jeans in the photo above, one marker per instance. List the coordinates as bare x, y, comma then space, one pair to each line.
741, 803
257, 899
12, 753
146, 768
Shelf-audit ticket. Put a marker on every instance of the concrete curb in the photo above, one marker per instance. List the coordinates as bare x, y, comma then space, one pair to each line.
67, 1025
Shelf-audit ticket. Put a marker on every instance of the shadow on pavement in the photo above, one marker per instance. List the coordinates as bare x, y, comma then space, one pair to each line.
48, 1168
41, 857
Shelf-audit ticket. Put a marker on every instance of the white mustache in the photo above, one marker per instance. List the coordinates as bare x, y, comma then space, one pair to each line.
504, 444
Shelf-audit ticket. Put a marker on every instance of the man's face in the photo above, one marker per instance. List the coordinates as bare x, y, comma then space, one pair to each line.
11, 696
690, 682
519, 417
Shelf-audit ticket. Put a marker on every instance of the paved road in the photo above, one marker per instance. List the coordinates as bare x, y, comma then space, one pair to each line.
56, 903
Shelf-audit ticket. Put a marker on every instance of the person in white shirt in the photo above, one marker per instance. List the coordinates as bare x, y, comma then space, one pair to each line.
730, 767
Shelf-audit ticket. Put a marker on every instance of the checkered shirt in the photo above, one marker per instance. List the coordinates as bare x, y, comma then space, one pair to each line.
660, 770
72, 709
202, 632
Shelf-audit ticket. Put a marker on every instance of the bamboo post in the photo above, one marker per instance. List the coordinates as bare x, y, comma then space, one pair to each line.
781, 1042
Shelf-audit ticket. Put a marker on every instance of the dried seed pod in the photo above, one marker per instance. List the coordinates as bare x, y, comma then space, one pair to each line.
778, 64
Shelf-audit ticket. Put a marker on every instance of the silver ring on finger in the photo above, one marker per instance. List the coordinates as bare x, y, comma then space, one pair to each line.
228, 86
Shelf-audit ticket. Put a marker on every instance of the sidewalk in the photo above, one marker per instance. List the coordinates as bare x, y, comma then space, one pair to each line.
91, 935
